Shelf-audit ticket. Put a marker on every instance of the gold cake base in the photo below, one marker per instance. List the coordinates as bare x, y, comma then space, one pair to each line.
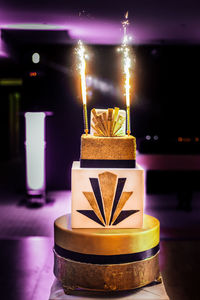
115, 277
96, 259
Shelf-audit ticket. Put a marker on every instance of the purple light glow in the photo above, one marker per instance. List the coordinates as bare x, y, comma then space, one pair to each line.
97, 23
92, 32
35, 258
35, 152
3, 52
96, 32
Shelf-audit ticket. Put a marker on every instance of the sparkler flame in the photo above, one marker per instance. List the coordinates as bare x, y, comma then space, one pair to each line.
126, 66
82, 68
126, 59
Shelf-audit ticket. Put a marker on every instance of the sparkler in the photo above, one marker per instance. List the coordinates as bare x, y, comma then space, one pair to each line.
82, 69
126, 66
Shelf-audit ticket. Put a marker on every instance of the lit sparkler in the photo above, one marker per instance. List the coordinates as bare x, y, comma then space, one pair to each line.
126, 66
82, 69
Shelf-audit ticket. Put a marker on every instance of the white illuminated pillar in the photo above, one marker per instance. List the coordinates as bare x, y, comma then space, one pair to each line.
35, 153
36, 58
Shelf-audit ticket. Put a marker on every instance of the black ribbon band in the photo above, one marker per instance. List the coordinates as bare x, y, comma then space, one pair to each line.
106, 259
104, 163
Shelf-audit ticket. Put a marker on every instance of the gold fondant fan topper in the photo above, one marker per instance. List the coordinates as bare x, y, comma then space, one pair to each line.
107, 123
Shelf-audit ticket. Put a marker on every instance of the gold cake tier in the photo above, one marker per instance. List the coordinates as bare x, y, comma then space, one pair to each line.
107, 241
108, 148
106, 278
106, 259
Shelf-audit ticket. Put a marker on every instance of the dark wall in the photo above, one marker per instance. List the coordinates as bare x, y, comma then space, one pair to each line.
168, 93
165, 102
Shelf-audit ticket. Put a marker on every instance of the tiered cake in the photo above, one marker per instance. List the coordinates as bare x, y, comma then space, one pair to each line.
107, 243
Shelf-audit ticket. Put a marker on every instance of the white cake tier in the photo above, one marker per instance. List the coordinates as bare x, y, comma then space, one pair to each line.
111, 198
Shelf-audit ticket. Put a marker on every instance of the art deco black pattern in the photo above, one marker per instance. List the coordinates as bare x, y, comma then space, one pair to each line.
96, 190
119, 189
91, 215
117, 215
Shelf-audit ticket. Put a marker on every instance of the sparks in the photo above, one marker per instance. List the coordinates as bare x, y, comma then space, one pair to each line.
125, 23
126, 59
82, 69
126, 67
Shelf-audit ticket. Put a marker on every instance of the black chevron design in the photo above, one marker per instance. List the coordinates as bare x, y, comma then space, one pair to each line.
91, 215
123, 215
96, 189
119, 189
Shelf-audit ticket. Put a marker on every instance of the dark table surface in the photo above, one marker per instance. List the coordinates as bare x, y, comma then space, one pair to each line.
26, 268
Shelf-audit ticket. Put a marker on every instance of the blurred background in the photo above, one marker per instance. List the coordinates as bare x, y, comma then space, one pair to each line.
38, 72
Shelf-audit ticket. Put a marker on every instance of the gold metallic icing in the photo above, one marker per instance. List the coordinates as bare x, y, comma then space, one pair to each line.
108, 183
93, 203
110, 148
115, 277
105, 241
123, 199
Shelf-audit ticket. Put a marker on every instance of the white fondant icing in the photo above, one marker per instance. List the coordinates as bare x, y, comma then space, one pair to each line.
81, 183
